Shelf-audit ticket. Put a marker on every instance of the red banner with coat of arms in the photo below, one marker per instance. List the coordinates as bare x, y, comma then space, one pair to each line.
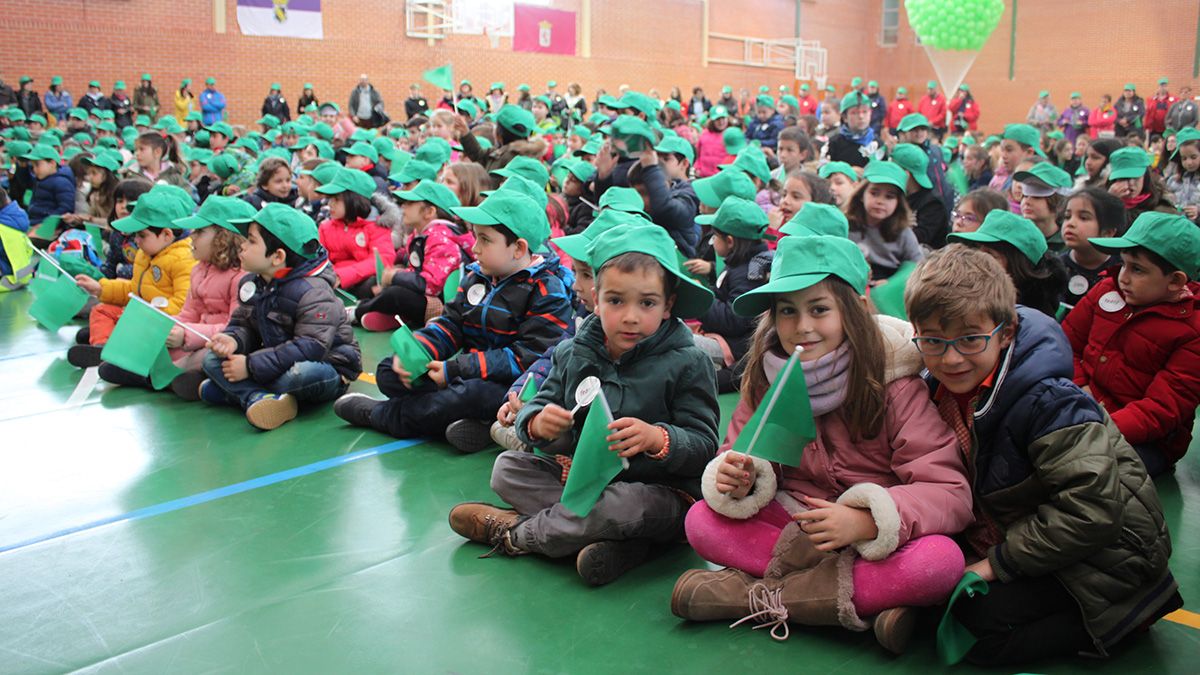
537, 29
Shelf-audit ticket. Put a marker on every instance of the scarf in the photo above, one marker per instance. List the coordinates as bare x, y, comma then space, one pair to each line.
1131, 202
862, 138
826, 378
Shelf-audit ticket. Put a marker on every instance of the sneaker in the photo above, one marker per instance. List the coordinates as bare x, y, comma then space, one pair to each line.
270, 411
486, 524
378, 322
84, 356
894, 628
186, 385
468, 436
605, 561
506, 437
355, 408
84, 336
210, 393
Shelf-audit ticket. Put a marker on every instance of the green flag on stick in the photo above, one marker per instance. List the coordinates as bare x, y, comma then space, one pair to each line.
378, 269
413, 355
47, 269
347, 299
528, 390
594, 465
46, 229
451, 288
138, 344
97, 236
441, 78
56, 300
953, 638
889, 298
783, 423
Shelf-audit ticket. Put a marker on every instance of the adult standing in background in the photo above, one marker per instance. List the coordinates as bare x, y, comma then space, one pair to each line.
1103, 119
1157, 107
145, 98
700, 103
184, 100
212, 103
58, 101
933, 106
1074, 118
28, 99
878, 105
365, 101
275, 104
1181, 115
964, 110
122, 105
415, 104
1130, 110
307, 98
1042, 114
7, 95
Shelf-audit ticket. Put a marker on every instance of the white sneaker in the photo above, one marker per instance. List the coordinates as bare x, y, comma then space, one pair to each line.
506, 437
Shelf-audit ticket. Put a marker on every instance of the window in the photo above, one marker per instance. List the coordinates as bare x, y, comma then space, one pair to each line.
889, 32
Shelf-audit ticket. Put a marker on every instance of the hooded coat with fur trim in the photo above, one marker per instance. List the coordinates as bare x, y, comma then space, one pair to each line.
911, 476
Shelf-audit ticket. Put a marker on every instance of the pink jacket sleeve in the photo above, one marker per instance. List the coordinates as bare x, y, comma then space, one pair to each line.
442, 256
191, 341
354, 272
934, 496
741, 415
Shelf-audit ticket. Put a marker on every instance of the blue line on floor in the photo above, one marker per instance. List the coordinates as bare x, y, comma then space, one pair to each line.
219, 493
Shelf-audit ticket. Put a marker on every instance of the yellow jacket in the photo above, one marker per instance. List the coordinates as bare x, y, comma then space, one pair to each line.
183, 106
166, 275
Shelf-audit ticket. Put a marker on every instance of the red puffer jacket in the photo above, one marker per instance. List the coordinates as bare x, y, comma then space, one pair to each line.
352, 248
1142, 366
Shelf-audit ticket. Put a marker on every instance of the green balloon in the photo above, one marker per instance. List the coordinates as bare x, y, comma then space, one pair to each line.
954, 24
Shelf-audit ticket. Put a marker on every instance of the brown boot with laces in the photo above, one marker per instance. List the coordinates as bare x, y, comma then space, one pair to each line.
486, 524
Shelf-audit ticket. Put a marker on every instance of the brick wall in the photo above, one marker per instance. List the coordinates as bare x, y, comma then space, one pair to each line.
1060, 46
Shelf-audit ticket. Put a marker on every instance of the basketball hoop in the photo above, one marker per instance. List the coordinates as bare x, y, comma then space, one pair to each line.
492, 37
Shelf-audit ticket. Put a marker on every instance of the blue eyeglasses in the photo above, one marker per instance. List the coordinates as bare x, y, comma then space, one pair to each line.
966, 345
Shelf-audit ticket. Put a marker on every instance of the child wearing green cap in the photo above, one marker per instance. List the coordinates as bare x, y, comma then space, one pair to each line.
434, 248
854, 142
351, 239
1184, 182
122, 105
101, 175
851, 560
1068, 531
1037, 272
1136, 337
1089, 213
880, 220
276, 104
710, 150
511, 305
794, 151
212, 103
766, 125
842, 179
799, 188
662, 396
1131, 179
162, 269
122, 246
669, 200
288, 341
53, 188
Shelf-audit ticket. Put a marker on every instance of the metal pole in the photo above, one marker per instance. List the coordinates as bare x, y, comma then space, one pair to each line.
1012, 44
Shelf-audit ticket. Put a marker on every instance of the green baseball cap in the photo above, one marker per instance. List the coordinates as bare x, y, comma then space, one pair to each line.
146, 77
185, 82
160, 207
431, 192
817, 220
713, 191
734, 139
1043, 93
551, 84
1045, 179
790, 100
515, 211
843, 168
1076, 94
1004, 226
886, 173
94, 83
913, 121
105, 114
323, 172
1128, 162
873, 83
220, 128
39, 118
77, 113
201, 155
16, 115
517, 120
292, 227
627, 200
72, 152
528, 167
764, 100
991, 140
106, 159
634, 131
217, 210
1162, 81
26, 78
856, 82
435, 151
1172, 237
42, 151
522, 185
932, 84
640, 102
364, 150
347, 179
168, 124
751, 160
762, 89
902, 91
801, 262
582, 170
737, 217
194, 116
913, 160
522, 87
469, 107
1055, 135
717, 112
855, 99
223, 165
676, 145
142, 121
119, 85
414, 170
1025, 135
576, 245
1185, 135
268, 120
691, 300
18, 149
108, 126
210, 80
56, 80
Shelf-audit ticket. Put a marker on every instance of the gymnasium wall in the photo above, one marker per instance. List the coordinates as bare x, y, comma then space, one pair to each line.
1093, 47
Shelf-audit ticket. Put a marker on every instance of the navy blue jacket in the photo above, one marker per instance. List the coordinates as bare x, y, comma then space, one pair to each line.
294, 319
766, 133
674, 207
54, 195
737, 278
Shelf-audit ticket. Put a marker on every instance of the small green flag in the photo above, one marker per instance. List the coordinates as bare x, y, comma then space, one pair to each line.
46, 269
783, 423
451, 288
718, 266
163, 370
347, 299
889, 298
528, 390
97, 236
378, 269
594, 465
413, 355
138, 339
56, 300
46, 229
440, 77
953, 638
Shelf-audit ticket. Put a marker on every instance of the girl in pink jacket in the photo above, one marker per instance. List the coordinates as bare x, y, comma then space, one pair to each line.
214, 293
856, 535
710, 151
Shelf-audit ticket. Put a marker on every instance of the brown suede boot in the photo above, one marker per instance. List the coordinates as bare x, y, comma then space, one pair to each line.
793, 552
823, 595
703, 595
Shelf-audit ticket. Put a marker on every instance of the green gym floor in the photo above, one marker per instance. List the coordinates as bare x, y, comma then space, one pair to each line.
141, 534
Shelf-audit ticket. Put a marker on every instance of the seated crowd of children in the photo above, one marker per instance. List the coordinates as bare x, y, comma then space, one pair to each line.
1005, 412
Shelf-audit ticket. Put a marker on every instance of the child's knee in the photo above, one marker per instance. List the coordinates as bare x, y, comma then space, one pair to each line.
700, 522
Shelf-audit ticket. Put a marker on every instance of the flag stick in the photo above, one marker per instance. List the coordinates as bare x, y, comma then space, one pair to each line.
50, 259
589, 204
787, 371
346, 295
177, 322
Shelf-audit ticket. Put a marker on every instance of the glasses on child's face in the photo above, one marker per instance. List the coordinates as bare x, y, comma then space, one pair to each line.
967, 218
967, 345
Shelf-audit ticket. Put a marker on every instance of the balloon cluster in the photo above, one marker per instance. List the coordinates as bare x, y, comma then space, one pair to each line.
962, 25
